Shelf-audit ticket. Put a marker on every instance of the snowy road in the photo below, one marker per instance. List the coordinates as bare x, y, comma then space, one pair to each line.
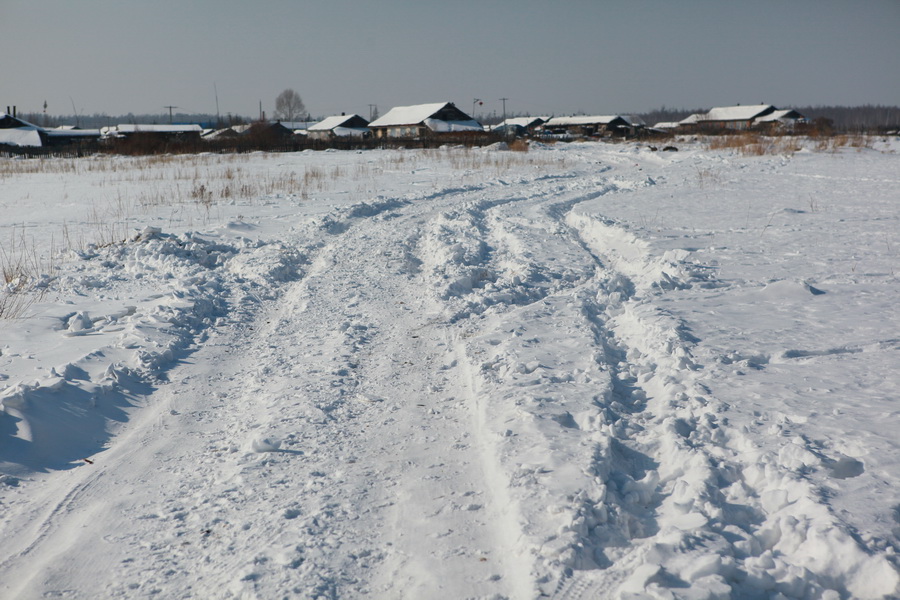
487, 390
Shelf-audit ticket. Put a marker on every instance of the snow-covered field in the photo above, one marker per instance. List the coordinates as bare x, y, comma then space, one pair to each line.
585, 371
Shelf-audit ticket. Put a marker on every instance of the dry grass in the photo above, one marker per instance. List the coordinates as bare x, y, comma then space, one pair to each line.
754, 144
518, 145
833, 143
20, 274
196, 187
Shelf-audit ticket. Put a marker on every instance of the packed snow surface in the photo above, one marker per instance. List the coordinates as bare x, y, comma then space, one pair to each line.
585, 371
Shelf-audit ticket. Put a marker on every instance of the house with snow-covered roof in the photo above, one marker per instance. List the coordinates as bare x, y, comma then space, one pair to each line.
517, 126
18, 132
589, 126
529, 123
422, 120
780, 119
126, 130
339, 126
734, 117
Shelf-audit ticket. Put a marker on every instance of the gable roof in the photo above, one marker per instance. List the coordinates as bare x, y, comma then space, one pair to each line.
582, 120
692, 119
778, 115
330, 123
524, 121
408, 115
427, 114
8, 121
737, 113
19, 132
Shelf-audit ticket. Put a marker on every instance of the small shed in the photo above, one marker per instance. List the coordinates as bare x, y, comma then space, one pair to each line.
423, 120
339, 126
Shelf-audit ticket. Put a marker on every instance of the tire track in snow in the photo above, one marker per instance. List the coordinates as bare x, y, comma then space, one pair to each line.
718, 500
666, 500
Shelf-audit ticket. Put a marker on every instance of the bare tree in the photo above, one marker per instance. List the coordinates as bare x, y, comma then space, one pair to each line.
289, 106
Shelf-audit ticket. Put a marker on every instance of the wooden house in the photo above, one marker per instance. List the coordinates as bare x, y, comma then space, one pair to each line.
527, 123
786, 119
589, 126
340, 126
423, 120
734, 117
17, 132
165, 132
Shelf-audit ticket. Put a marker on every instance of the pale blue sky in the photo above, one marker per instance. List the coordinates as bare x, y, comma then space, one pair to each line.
546, 57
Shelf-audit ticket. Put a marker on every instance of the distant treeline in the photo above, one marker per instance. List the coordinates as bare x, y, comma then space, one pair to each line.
867, 118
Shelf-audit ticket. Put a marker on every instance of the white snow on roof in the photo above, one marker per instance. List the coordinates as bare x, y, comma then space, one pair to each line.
297, 125
692, 119
523, 121
20, 136
583, 120
129, 128
408, 115
736, 113
331, 122
350, 131
439, 126
778, 115
667, 125
72, 133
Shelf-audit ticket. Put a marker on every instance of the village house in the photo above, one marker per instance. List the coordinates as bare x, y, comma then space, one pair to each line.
340, 126
734, 117
423, 120
167, 132
17, 132
68, 134
780, 119
589, 126
741, 118
517, 126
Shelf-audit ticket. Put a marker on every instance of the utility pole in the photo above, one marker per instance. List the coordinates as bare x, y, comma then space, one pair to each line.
503, 100
371, 106
218, 116
170, 112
